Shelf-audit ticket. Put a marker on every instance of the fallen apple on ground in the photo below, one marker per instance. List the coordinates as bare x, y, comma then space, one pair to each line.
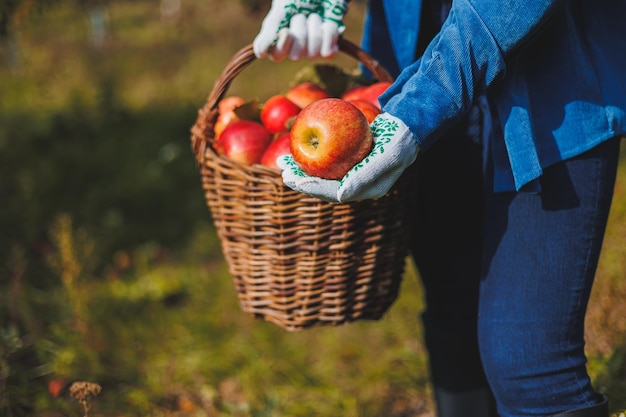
328, 137
57, 386
278, 112
305, 93
279, 147
244, 141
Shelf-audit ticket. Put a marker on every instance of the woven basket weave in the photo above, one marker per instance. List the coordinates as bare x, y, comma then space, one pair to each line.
295, 260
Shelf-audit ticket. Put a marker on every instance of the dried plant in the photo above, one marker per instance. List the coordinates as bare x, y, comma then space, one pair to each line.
85, 393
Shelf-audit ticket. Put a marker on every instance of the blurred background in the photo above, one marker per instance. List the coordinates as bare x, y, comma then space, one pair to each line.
110, 270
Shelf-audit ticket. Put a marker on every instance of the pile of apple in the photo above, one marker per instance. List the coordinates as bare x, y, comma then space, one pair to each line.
326, 135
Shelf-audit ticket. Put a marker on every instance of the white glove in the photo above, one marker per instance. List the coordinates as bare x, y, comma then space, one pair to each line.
394, 150
301, 28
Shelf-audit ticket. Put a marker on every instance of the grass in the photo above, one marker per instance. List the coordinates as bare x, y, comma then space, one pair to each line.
162, 336
111, 272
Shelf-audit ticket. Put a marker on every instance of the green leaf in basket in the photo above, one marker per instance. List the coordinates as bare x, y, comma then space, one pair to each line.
250, 110
334, 79
305, 74
329, 76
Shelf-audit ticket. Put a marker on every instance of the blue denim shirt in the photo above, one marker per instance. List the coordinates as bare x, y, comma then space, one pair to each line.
554, 72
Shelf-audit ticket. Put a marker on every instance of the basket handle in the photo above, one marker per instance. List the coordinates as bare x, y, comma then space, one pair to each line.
244, 57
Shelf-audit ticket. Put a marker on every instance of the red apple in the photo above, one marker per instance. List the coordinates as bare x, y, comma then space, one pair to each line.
354, 92
229, 103
222, 121
244, 141
306, 93
329, 137
369, 110
279, 147
226, 113
372, 92
278, 112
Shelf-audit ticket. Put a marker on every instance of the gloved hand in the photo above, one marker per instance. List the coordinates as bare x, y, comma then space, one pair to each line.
394, 150
301, 28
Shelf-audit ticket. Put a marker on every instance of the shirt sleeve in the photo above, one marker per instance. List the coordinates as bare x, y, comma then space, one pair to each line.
467, 56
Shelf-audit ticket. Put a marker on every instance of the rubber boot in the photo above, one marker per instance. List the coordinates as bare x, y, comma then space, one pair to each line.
598, 410
475, 403
459, 383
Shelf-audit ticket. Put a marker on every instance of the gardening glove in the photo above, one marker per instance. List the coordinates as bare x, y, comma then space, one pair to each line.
394, 150
301, 28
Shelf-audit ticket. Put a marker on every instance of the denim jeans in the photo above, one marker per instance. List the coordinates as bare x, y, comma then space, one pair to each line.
507, 276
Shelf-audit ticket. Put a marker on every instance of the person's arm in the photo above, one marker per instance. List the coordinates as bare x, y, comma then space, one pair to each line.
462, 61
465, 58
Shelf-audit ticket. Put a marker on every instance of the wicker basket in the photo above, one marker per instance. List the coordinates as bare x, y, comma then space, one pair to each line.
298, 261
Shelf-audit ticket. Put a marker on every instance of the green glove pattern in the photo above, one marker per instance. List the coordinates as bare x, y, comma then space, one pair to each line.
298, 28
383, 130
